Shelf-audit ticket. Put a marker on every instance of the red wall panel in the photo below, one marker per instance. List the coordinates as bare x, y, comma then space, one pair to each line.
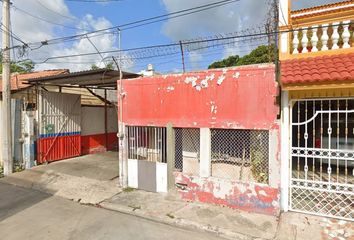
241, 97
53, 149
97, 143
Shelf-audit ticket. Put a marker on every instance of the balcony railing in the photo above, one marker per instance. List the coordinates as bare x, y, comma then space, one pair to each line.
321, 38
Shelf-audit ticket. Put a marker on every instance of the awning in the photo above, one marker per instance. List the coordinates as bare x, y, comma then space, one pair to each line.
100, 78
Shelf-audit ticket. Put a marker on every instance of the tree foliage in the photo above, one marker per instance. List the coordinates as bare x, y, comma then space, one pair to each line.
109, 66
21, 67
262, 54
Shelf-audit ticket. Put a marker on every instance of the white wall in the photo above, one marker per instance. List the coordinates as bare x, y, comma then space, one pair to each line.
92, 120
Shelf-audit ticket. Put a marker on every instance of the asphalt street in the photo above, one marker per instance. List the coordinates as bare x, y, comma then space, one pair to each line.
32, 215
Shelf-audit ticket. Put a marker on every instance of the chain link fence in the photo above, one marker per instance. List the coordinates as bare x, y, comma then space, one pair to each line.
147, 143
240, 155
187, 150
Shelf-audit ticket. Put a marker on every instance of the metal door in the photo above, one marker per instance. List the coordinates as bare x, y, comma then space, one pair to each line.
322, 157
59, 126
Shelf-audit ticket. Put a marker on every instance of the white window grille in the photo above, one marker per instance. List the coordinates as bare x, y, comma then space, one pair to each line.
187, 150
240, 154
147, 143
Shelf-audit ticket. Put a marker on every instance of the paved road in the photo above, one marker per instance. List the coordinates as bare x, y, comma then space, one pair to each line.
31, 215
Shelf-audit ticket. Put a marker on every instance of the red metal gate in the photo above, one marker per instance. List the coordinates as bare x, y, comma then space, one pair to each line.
59, 126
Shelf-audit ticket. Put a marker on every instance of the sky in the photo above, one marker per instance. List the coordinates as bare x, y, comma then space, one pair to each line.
39, 20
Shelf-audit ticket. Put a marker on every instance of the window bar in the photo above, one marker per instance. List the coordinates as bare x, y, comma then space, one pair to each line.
155, 144
150, 144
321, 139
298, 139
128, 139
346, 139
160, 146
163, 144
313, 139
131, 143
140, 142
306, 137
146, 144
338, 108
329, 130
137, 142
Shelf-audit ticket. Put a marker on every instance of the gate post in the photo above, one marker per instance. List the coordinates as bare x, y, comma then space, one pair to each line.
170, 147
285, 147
123, 158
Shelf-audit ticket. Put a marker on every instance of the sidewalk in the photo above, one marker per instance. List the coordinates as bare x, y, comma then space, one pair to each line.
87, 179
225, 222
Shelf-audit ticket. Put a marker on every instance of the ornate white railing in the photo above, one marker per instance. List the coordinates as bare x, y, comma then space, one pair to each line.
321, 37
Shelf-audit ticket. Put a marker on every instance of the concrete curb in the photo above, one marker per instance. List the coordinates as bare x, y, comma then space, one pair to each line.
178, 222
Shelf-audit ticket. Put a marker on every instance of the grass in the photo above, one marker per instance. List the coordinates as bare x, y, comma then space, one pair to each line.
170, 215
17, 168
128, 189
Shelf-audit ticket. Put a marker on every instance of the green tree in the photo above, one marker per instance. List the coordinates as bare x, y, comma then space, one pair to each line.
109, 66
20, 67
262, 54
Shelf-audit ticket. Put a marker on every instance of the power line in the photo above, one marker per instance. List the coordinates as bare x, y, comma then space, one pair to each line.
94, 1
58, 13
181, 15
151, 19
46, 20
155, 51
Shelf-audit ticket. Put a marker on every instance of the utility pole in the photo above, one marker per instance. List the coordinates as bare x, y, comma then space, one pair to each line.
6, 91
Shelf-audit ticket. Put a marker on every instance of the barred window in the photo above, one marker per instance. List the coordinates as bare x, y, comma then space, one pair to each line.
147, 143
240, 154
187, 150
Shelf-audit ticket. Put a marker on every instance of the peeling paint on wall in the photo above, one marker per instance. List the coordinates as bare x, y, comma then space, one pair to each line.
244, 196
236, 75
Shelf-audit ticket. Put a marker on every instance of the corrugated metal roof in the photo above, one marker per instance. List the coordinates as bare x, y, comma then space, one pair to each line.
19, 80
99, 77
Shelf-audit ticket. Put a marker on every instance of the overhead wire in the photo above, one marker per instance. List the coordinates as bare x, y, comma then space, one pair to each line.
53, 11
107, 30
46, 20
94, 1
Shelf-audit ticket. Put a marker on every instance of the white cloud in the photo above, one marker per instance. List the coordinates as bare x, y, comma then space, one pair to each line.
30, 29
101, 42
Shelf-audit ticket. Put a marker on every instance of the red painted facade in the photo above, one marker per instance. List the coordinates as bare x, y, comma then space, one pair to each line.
52, 149
97, 143
232, 98
242, 98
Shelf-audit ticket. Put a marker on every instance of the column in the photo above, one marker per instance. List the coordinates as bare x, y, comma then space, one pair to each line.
205, 153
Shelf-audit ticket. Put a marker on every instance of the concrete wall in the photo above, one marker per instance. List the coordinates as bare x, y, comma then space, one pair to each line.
233, 98
93, 138
244, 195
16, 113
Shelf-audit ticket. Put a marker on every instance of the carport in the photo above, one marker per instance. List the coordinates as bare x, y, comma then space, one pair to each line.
76, 113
